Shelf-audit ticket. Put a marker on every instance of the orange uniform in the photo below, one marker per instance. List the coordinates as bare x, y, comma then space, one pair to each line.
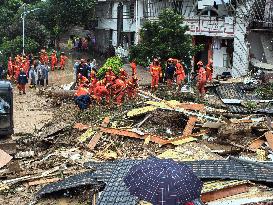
54, 61
81, 91
202, 78
10, 67
83, 80
156, 73
101, 91
180, 73
44, 58
123, 74
134, 68
209, 71
63, 59
132, 88
119, 90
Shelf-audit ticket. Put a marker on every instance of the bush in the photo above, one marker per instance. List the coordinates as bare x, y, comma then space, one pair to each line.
115, 63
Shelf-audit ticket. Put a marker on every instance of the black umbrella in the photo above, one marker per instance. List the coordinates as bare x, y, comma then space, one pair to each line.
163, 182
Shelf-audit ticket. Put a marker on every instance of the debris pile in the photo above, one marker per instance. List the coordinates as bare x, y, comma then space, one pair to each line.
228, 144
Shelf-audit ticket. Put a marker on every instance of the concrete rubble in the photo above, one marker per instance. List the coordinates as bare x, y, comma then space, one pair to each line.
83, 151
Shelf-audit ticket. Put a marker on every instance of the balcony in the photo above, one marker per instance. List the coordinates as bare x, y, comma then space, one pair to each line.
211, 26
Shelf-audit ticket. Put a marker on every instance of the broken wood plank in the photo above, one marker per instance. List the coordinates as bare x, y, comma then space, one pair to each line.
269, 139
93, 142
127, 133
81, 126
4, 159
222, 193
144, 120
172, 141
48, 173
190, 125
256, 144
141, 111
43, 181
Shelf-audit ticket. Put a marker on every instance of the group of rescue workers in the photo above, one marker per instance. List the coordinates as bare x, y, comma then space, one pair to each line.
25, 67
176, 71
116, 88
112, 87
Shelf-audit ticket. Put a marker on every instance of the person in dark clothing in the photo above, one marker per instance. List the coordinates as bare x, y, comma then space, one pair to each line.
22, 81
83, 69
169, 73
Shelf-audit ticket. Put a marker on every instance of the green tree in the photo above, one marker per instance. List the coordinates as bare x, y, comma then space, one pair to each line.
59, 16
164, 38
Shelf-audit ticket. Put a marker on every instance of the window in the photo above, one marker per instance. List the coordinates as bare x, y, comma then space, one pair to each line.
4, 103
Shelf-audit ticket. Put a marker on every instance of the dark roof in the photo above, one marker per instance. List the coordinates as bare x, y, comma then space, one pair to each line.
76, 181
116, 192
5, 84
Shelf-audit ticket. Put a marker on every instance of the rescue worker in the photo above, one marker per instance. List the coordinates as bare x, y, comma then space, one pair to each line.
123, 74
82, 80
202, 78
209, 70
22, 80
93, 78
101, 91
63, 59
132, 86
43, 56
180, 74
83, 68
169, 73
134, 67
119, 90
82, 98
54, 60
156, 73
10, 68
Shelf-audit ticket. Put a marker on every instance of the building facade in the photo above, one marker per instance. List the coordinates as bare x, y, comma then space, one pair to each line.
221, 26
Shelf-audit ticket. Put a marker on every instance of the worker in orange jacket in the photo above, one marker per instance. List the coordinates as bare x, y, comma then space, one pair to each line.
119, 90
134, 67
156, 73
43, 57
132, 86
202, 79
180, 74
209, 70
82, 80
54, 60
123, 74
82, 98
101, 91
10, 68
63, 60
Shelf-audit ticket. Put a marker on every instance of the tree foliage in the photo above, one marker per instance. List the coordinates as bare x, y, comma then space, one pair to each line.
164, 38
52, 18
60, 15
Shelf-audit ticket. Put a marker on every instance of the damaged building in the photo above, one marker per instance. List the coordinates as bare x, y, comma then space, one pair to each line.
229, 30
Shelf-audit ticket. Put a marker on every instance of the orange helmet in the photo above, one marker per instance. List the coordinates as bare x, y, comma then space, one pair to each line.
200, 63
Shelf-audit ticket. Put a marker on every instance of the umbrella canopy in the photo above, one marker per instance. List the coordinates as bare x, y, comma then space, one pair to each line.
163, 182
